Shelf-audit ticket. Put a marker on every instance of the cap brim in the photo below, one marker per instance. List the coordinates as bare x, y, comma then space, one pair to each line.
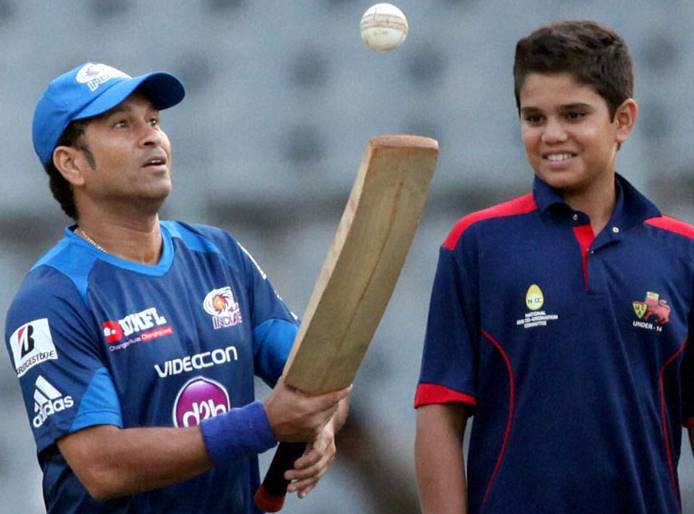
163, 89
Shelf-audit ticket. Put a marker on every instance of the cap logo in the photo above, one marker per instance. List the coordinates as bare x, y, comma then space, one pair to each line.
93, 75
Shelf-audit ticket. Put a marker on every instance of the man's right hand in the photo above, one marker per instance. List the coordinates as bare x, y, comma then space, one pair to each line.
297, 417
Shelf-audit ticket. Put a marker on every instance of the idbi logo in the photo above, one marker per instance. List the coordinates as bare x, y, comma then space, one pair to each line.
199, 399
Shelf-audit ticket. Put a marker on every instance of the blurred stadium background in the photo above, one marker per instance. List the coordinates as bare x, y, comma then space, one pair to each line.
281, 98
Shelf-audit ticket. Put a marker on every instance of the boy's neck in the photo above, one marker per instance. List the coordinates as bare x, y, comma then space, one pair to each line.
597, 201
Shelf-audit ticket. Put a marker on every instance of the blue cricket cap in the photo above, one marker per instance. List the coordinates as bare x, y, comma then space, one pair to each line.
89, 90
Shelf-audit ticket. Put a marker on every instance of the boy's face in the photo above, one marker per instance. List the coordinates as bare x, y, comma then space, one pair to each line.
570, 140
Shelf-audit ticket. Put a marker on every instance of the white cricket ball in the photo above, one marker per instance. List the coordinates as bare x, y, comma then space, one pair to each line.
383, 27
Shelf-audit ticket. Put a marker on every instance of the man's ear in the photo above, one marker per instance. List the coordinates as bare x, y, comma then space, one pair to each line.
625, 117
70, 164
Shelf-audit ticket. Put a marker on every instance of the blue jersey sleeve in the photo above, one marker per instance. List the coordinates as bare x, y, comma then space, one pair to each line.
275, 326
52, 342
448, 362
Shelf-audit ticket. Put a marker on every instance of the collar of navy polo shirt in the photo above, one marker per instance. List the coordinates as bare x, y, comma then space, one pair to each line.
631, 207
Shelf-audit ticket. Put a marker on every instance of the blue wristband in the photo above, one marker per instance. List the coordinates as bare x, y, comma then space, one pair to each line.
241, 432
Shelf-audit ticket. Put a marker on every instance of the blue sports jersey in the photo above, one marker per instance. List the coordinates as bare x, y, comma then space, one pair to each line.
96, 340
570, 351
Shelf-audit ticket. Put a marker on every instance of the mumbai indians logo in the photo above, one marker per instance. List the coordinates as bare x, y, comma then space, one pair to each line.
93, 75
652, 310
221, 305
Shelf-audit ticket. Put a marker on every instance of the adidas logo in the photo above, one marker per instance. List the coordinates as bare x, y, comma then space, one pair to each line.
47, 401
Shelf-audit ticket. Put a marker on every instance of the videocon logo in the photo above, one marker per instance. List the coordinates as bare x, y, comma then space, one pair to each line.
200, 398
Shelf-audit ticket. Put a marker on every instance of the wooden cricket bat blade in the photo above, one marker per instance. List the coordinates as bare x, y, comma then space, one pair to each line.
363, 263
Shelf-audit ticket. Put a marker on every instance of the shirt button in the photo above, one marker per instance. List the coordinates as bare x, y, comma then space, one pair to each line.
615, 230
574, 217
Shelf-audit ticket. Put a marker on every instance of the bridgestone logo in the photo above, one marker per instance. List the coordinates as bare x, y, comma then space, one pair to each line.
196, 362
32, 344
47, 401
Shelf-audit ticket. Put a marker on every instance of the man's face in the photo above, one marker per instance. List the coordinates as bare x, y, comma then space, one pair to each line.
131, 155
569, 137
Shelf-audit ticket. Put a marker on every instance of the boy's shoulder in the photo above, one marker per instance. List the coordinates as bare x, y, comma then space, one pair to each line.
517, 206
673, 225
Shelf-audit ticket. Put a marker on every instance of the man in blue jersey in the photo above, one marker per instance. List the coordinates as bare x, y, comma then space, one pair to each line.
560, 319
136, 341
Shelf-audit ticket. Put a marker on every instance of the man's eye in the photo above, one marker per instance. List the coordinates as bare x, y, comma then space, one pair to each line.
533, 119
154, 121
120, 124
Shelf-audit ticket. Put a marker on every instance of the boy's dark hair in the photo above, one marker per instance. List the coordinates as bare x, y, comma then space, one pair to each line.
592, 53
61, 188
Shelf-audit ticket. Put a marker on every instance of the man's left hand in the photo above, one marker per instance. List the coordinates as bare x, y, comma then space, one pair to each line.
312, 465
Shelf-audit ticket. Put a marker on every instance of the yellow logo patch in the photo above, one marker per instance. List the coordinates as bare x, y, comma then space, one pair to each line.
534, 299
536, 316
640, 308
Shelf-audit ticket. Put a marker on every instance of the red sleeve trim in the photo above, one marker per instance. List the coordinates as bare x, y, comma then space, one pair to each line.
688, 422
664, 417
428, 394
521, 205
672, 225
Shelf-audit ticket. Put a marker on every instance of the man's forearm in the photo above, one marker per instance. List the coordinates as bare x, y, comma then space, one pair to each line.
112, 462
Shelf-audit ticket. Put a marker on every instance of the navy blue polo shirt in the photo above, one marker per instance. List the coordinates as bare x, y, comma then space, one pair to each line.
571, 352
97, 340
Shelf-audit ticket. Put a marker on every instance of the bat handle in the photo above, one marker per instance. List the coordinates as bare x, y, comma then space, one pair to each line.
270, 495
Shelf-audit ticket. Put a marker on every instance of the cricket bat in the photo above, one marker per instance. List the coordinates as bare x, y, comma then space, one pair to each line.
356, 281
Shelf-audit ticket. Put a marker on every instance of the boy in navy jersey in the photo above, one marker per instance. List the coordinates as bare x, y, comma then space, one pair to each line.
560, 319
136, 340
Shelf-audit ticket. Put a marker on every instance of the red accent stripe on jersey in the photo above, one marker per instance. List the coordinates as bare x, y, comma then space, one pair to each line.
521, 205
511, 409
672, 225
688, 422
663, 417
585, 237
428, 394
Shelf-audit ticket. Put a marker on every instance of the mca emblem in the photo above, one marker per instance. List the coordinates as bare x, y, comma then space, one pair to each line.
221, 305
652, 312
